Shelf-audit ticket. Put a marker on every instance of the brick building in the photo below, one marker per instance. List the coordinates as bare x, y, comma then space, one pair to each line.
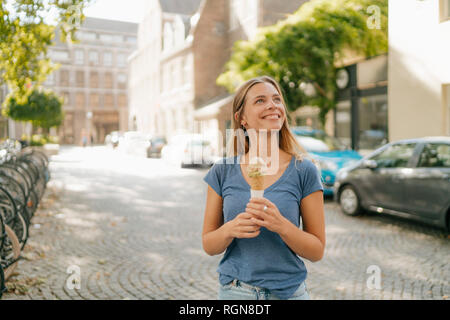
187, 47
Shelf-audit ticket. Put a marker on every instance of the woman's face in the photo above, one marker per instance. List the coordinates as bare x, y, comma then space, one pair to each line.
263, 108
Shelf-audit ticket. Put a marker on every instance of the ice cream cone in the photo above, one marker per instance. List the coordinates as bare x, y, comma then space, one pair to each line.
255, 173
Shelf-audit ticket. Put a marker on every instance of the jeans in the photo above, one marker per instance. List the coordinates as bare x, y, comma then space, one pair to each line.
238, 290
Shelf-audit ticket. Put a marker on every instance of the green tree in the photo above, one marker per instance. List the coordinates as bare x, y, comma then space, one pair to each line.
302, 51
25, 37
42, 108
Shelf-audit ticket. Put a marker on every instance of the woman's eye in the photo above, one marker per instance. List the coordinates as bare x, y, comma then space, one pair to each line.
259, 100
277, 100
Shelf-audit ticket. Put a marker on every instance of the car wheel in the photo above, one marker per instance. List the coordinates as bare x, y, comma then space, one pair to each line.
349, 201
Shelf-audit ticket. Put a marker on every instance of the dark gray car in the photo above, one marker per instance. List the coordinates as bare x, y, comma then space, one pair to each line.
408, 178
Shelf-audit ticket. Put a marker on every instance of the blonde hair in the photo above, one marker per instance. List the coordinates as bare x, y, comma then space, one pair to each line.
287, 141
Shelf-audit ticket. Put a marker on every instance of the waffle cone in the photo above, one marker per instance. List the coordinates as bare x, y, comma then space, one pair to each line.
257, 183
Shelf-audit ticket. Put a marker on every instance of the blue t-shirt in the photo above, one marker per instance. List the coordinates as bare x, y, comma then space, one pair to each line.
265, 261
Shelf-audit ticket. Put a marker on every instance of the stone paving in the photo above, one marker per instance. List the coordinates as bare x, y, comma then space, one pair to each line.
133, 227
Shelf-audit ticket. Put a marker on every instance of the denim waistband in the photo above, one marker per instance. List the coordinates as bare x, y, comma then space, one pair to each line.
239, 283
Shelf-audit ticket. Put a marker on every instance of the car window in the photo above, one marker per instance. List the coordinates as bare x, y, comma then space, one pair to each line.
435, 155
395, 156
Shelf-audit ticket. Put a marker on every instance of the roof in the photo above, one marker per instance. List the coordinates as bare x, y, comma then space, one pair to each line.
186, 7
109, 25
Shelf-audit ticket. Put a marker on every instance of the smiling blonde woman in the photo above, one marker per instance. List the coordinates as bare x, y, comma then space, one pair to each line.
261, 237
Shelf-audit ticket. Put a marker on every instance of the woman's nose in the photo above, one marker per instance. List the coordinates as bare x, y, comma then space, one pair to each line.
271, 105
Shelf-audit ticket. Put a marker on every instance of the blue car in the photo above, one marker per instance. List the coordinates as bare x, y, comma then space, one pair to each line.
330, 153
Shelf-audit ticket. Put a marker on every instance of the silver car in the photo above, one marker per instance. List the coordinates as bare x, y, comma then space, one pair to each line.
408, 178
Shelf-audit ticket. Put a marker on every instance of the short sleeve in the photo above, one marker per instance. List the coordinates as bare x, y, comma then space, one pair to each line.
310, 178
214, 178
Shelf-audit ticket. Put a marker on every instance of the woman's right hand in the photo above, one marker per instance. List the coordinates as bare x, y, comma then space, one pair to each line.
242, 227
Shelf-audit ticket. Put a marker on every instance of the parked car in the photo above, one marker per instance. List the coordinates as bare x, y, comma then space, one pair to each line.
330, 153
112, 139
408, 178
187, 150
135, 142
155, 147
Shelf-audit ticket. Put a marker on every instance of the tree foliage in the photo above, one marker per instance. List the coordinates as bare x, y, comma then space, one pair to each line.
25, 37
303, 50
42, 108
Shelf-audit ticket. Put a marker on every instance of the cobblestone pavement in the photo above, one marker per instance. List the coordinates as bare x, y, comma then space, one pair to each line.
133, 227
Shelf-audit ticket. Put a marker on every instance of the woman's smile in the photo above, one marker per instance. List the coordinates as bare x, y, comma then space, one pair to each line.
273, 116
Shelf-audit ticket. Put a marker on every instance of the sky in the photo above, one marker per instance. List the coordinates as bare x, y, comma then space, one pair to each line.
123, 10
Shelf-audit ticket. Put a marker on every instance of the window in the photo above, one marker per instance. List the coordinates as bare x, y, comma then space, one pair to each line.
88, 36
66, 98
80, 100
109, 82
168, 37
109, 100
107, 59
79, 78
79, 57
343, 122
64, 78
435, 156
106, 38
59, 55
132, 40
187, 70
117, 38
94, 100
93, 79
93, 58
122, 60
395, 156
122, 81
372, 121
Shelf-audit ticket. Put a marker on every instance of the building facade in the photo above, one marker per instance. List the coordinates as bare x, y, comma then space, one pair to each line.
185, 68
360, 119
419, 69
161, 73
93, 79
236, 20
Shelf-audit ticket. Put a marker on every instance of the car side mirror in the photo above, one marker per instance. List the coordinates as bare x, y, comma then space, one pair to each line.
370, 164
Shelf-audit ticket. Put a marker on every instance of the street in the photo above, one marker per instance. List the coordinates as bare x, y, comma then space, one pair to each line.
131, 229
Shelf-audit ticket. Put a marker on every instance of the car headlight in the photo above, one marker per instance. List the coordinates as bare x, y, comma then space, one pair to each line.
328, 165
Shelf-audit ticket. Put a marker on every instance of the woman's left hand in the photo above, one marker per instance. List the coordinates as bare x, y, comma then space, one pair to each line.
271, 219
